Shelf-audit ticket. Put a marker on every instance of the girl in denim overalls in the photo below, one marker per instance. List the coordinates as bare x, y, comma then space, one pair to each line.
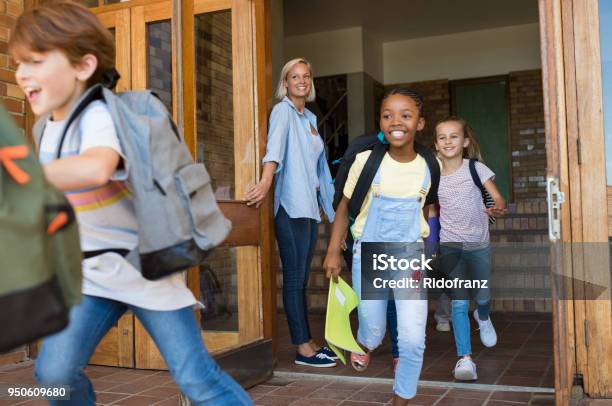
392, 212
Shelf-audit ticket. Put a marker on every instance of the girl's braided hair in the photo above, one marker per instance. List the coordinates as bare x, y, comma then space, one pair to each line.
408, 93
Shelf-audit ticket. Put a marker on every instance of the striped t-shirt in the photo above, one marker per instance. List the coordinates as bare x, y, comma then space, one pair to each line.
105, 214
462, 215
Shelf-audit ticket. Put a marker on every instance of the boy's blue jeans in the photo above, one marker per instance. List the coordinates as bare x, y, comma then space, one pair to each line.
64, 355
466, 265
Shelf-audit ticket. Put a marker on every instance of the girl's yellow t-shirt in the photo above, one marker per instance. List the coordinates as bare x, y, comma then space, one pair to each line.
397, 179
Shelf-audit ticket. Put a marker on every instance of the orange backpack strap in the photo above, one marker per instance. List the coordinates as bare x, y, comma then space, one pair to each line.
10, 153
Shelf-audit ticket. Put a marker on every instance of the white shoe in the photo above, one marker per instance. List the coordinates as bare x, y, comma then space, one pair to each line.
488, 336
465, 370
443, 326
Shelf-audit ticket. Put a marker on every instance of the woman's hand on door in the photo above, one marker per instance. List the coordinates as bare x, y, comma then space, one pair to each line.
257, 193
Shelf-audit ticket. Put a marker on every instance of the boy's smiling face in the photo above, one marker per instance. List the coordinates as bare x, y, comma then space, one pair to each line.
51, 83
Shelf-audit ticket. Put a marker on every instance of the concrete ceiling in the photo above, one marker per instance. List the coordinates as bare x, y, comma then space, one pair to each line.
393, 20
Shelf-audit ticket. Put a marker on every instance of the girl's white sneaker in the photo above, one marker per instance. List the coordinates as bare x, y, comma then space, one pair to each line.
488, 336
465, 370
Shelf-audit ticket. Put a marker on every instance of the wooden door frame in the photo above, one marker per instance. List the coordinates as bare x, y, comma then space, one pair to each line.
260, 53
571, 70
269, 261
246, 232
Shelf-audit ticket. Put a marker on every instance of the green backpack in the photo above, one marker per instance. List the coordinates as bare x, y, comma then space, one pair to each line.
40, 254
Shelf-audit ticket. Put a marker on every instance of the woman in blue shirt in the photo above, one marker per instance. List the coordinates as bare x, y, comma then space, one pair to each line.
295, 158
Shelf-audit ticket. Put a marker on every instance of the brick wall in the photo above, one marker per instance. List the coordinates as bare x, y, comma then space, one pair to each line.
527, 135
13, 100
159, 63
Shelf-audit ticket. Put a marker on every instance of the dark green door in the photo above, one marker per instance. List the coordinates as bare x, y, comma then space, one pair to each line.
485, 106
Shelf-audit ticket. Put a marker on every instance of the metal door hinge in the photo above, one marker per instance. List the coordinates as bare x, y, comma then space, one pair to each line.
554, 197
586, 333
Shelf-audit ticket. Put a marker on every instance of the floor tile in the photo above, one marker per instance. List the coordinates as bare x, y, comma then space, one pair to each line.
137, 401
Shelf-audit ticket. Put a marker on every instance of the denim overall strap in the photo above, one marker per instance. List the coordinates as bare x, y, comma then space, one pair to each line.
424, 186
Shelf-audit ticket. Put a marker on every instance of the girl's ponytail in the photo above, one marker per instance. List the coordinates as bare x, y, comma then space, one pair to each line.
473, 149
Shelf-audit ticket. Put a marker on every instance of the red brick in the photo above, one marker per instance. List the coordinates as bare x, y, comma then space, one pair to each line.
7, 76
6, 21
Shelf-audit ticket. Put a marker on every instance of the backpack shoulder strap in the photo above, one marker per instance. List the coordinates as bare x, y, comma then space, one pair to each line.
92, 94
434, 171
474, 174
39, 128
365, 179
359, 144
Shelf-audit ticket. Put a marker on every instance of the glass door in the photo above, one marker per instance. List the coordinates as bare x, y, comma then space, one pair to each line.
207, 79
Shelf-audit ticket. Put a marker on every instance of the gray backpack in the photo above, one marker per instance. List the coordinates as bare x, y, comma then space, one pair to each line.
178, 217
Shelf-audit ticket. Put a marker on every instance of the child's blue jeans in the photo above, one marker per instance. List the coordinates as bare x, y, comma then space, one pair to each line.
466, 265
411, 319
64, 355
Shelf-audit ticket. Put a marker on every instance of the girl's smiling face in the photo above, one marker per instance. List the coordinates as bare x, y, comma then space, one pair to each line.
450, 139
298, 81
50, 82
400, 119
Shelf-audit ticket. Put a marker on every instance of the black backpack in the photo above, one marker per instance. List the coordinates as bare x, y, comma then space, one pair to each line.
486, 197
379, 147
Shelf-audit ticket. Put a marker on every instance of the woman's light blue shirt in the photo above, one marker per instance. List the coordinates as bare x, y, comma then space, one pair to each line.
289, 145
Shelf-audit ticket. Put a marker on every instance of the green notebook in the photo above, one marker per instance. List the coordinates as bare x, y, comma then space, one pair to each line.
341, 301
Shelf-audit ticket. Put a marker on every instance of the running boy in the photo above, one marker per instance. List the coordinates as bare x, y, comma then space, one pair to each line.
391, 212
61, 49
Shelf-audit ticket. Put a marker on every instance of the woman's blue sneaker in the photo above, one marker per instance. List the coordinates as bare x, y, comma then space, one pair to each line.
318, 360
328, 351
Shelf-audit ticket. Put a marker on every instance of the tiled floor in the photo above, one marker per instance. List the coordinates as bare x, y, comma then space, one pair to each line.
117, 386
523, 355
279, 391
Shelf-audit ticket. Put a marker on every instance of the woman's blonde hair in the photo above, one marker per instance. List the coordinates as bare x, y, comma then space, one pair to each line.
281, 89
472, 151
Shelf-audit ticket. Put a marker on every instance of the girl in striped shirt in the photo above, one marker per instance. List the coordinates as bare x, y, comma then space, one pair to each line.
464, 234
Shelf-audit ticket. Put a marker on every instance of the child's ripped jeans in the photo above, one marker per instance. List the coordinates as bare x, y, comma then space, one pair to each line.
411, 322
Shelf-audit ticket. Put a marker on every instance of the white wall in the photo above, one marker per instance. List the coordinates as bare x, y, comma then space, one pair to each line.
373, 56
463, 55
330, 53
278, 40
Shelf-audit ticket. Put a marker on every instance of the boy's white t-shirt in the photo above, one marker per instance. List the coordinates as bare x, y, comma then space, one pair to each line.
107, 220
